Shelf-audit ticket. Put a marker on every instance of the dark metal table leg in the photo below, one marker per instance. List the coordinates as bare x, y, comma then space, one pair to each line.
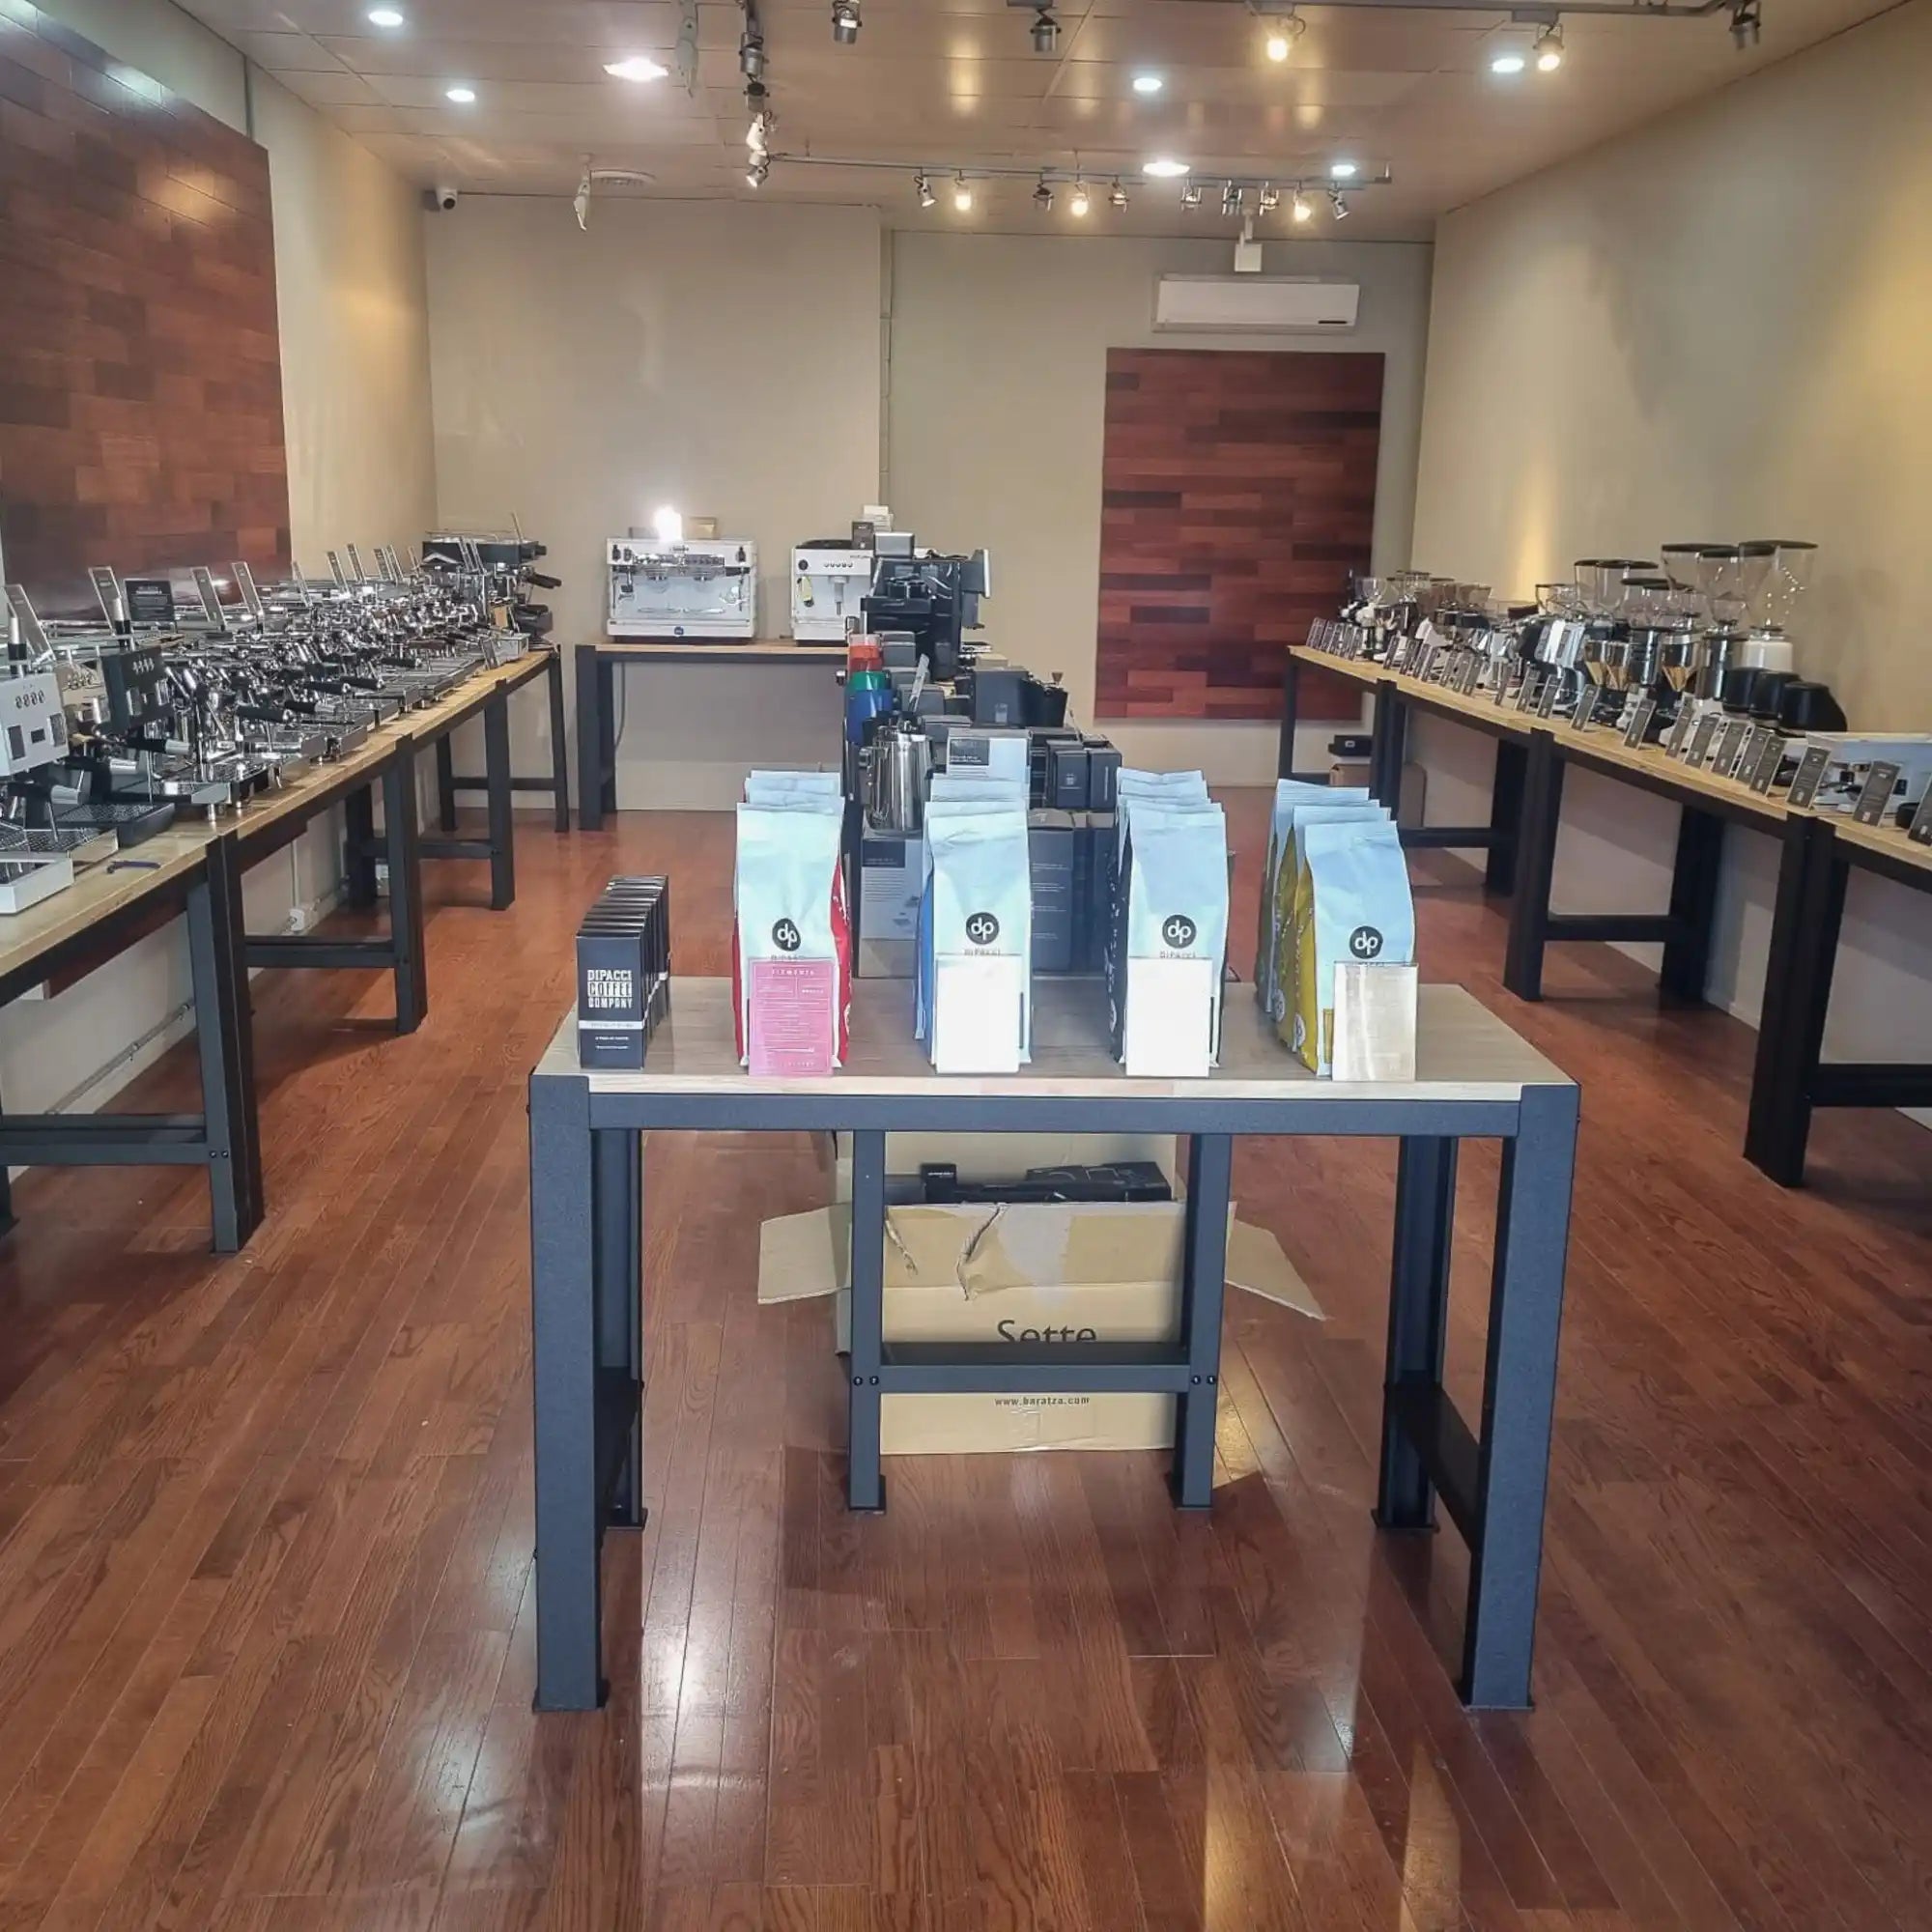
400, 834
445, 785
864, 1482
1290, 684
1418, 1324
358, 862
496, 777
1505, 818
617, 1171
224, 1037
1694, 903
1809, 911
1388, 747
563, 1328
607, 729
1535, 867
1518, 1399
1209, 1165
559, 739
589, 739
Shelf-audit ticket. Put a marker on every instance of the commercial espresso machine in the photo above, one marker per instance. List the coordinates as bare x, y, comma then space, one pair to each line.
672, 587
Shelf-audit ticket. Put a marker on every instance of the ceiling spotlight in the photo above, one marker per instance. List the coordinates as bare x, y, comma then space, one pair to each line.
1270, 198
1299, 208
635, 67
1509, 60
754, 175
1747, 20
1342, 171
963, 194
1163, 167
1340, 207
1190, 195
845, 21
1231, 199
461, 95
1116, 195
751, 52
1549, 48
1042, 196
384, 16
1046, 32
1148, 83
581, 201
1080, 204
1284, 28
923, 187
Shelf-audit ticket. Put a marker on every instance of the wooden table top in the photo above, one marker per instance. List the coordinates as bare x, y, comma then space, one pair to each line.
1886, 841
1464, 1052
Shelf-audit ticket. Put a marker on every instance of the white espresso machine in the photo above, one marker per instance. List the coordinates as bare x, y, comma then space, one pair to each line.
828, 583
707, 587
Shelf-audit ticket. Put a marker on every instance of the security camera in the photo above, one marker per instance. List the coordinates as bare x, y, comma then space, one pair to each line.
442, 199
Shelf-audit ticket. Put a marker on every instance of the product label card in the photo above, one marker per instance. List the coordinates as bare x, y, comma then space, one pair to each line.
979, 1013
1700, 742
793, 1019
1585, 713
1810, 775
1546, 699
148, 600
1639, 727
1875, 795
336, 569
1679, 731
1921, 832
1169, 1030
1767, 763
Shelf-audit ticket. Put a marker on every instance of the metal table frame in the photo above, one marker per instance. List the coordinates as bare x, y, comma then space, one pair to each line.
496, 720
595, 666
587, 1223
225, 1136
1791, 1075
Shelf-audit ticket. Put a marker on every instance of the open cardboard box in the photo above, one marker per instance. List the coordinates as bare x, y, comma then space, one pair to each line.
1030, 1274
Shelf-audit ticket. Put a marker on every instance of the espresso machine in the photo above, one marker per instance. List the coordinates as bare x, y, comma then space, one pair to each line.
831, 580
706, 587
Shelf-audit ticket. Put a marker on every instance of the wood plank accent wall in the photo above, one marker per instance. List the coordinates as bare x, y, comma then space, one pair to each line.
140, 365
1237, 492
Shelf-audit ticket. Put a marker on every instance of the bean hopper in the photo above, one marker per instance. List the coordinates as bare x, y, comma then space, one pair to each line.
1781, 580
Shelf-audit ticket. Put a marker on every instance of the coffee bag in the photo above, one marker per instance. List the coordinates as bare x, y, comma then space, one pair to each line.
791, 944
974, 993
1353, 906
1164, 1004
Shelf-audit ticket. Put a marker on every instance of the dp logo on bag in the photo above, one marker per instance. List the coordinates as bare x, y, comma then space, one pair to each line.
1365, 943
1177, 931
784, 936
981, 928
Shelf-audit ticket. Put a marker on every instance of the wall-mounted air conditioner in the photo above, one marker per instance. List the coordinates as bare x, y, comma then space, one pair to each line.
1241, 303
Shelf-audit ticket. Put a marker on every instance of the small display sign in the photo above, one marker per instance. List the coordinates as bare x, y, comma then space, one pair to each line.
1920, 830
1637, 730
148, 600
1768, 763
1700, 742
1546, 699
1875, 794
1533, 681
1811, 768
335, 569
1472, 671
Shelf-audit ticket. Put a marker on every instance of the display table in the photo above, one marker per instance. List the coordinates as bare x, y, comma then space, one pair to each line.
597, 667
1475, 1079
197, 867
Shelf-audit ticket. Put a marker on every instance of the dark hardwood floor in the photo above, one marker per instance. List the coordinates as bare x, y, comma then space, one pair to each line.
265, 1534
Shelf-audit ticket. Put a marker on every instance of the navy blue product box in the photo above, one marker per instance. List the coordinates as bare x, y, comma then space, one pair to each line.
1103, 764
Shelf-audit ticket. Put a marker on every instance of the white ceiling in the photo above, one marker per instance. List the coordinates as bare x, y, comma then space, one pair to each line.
955, 82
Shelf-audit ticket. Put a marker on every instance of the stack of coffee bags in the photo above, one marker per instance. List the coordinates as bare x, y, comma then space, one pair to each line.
791, 939
1354, 918
973, 976
1169, 933
624, 972
1295, 801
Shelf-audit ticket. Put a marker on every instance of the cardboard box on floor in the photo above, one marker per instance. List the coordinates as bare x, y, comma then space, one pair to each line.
1027, 1273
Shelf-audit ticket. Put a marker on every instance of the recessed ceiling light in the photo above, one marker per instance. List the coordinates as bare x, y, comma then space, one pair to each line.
461, 96
635, 67
1163, 167
1342, 170
384, 16
1507, 63
1148, 83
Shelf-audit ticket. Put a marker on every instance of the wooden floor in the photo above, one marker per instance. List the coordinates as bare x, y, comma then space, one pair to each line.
265, 1535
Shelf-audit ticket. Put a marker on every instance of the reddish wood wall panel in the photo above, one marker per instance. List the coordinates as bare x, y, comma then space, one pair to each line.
1237, 492
140, 366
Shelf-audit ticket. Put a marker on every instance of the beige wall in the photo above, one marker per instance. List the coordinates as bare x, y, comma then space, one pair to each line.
723, 358
998, 357
1715, 328
350, 284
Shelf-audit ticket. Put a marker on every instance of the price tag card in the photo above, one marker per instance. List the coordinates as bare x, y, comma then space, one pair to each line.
149, 600
1811, 768
335, 569
1920, 830
1424, 658
1639, 727
1533, 680
1767, 763
1700, 742
355, 565
1730, 742
1679, 735
1472, 671
1546, 699
1585, 713
1875, 794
